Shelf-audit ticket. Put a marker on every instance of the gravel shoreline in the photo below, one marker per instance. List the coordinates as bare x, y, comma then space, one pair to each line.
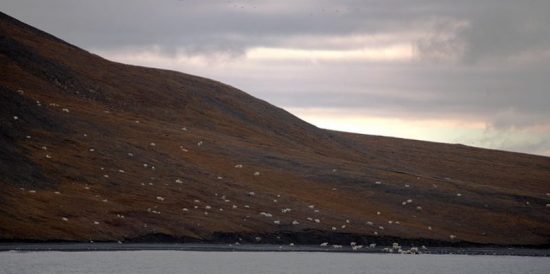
78, 247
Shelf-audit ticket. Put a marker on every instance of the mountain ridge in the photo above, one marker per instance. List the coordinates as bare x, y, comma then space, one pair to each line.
96, 150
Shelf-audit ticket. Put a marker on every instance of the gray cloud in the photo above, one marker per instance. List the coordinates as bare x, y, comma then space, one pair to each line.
507, 30
495, 28
196, 23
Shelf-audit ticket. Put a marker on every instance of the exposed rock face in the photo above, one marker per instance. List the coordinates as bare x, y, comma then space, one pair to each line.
96, 150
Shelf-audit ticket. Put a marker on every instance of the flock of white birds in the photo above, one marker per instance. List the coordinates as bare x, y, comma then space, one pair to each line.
206, 208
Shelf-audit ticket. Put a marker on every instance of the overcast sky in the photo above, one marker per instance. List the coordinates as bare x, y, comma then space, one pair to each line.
471, 72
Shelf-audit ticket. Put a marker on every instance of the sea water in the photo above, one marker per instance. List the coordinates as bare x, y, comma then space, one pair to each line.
209, 262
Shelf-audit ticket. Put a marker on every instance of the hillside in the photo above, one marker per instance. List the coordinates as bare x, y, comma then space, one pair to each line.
96, 150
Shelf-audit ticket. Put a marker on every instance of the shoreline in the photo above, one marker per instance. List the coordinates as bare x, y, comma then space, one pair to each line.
203, 247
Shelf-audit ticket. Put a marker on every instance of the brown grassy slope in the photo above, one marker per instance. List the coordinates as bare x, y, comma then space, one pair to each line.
81, 149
